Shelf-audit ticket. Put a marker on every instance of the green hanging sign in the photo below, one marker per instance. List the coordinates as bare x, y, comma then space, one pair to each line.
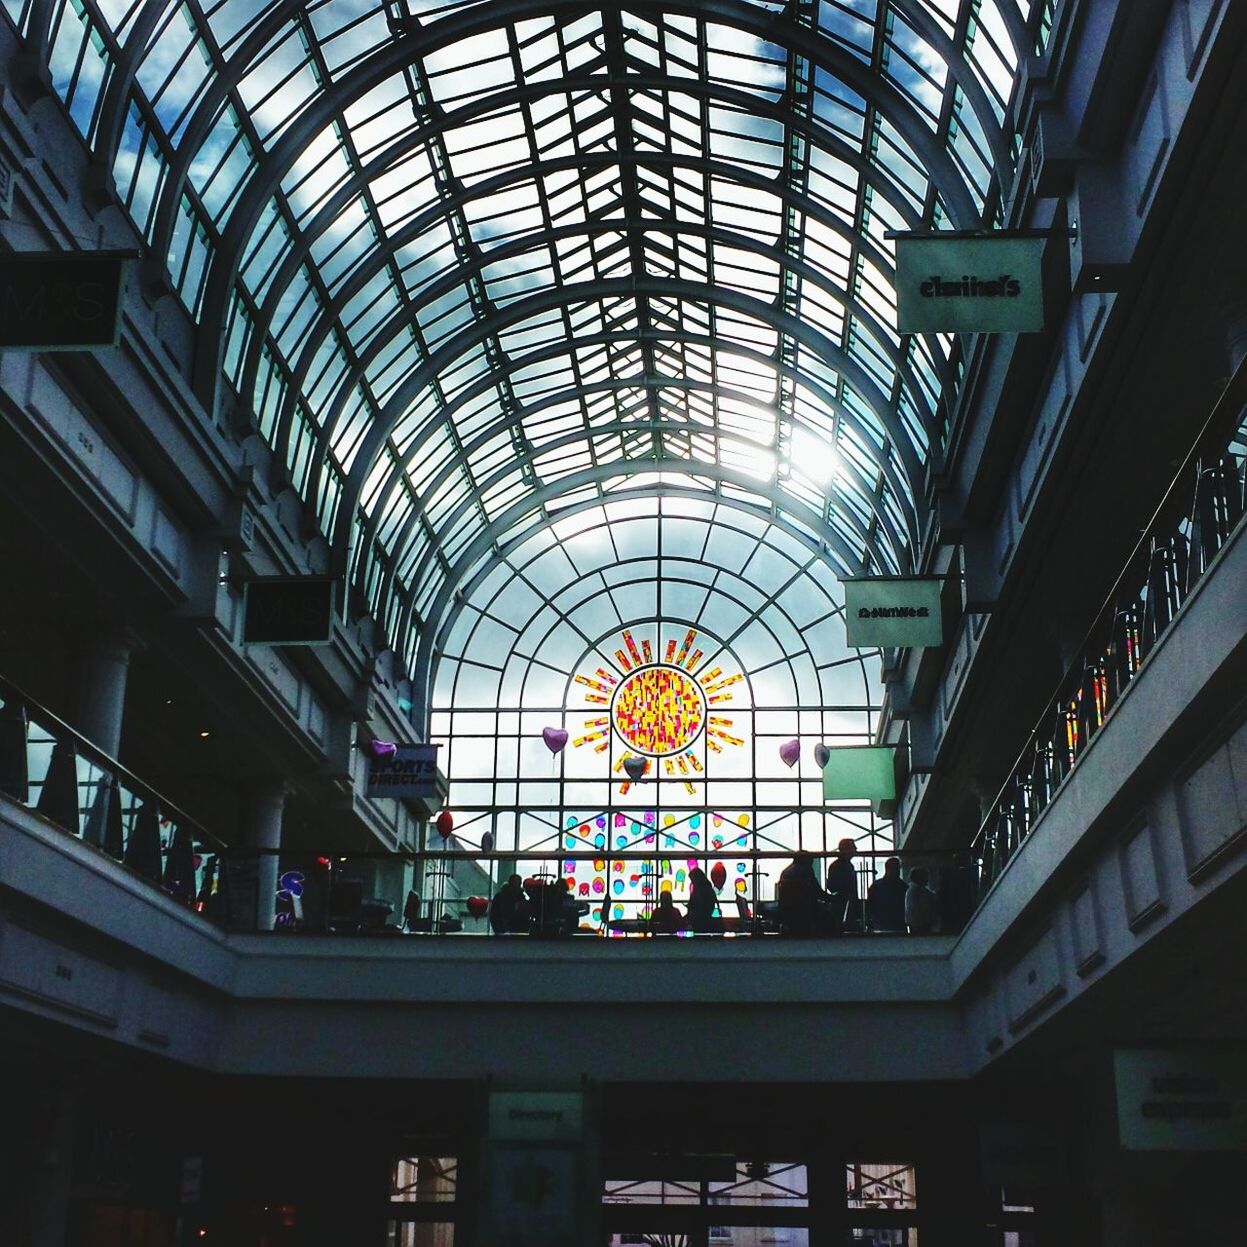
893, 612
860, 773
988, 283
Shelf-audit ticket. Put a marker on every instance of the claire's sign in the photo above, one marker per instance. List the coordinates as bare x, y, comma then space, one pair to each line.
988, 284
411, 772
893, 612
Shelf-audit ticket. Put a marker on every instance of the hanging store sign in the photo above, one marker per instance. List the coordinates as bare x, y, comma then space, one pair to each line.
288, 610
860, 773
410, 772
983, 284
891, 612
1181, 1099
1023, 1153
536, 1116
56, 301
541, 1187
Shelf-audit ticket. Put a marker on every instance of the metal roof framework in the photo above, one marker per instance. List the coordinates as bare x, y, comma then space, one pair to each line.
469, 265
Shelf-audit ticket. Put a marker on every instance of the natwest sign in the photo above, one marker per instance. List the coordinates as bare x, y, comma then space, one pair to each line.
893, 612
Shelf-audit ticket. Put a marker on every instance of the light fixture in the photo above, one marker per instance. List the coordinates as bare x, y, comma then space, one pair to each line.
204, 734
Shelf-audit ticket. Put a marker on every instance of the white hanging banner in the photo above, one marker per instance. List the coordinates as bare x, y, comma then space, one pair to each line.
992, 283
893, 612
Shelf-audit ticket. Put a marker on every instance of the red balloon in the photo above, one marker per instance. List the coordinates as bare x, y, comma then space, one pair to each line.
478, 906
718, 875
445, 823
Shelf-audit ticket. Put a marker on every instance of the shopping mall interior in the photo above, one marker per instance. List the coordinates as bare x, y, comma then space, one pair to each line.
437, 442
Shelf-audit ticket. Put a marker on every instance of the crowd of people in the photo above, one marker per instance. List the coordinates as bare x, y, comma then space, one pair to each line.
803, 908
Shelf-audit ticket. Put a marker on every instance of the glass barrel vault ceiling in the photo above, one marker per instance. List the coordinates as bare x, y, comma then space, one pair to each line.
471, 264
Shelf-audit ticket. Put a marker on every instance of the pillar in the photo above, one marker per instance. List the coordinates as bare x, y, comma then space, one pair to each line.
48, 1194
1234, 311
265, 807
97, 698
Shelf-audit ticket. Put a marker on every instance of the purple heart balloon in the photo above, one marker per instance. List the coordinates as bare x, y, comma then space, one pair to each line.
634, 766
790, 751
382, 748
555, 738
822, 755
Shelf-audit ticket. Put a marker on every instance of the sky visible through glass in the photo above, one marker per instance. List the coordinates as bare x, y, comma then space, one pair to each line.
492, 279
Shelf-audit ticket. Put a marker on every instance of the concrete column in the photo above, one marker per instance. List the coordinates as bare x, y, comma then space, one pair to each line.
265, 807
48, 1195
97, 699
1235, 321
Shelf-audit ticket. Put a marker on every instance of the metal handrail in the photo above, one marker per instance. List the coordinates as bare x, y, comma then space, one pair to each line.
321, 891
181, 867
1200, 511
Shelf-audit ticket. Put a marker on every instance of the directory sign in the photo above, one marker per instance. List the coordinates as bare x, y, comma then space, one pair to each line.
1181, 1099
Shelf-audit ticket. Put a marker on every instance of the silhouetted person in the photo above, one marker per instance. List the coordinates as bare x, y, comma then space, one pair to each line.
919, 903
508, 911
666, 919
701, 902
799, 895
558, 912
842, 883
885, 899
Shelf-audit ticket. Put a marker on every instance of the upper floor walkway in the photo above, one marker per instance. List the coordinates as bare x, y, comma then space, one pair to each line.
1139, 846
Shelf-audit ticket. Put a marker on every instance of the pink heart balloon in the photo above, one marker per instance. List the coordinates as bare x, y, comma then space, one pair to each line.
790, 751
634, 766
382, 748
555, 738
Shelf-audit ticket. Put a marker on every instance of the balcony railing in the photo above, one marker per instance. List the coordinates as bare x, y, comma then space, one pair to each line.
1200, 512
579, 892
55, 771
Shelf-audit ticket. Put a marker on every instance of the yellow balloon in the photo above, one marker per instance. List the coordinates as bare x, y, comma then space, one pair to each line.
665, 886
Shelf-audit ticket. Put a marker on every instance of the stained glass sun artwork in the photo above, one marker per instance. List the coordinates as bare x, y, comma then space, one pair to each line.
664, 710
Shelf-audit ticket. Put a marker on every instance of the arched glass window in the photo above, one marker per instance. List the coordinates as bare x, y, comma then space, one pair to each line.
688, 633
